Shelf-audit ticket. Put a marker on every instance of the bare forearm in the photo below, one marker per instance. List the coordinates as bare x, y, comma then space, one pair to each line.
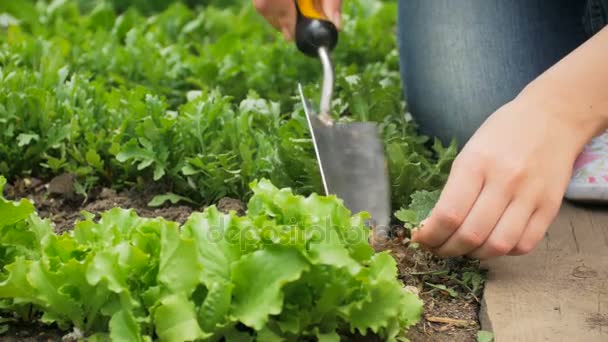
576, 88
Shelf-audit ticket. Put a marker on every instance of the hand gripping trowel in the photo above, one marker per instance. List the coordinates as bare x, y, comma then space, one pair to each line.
350, 155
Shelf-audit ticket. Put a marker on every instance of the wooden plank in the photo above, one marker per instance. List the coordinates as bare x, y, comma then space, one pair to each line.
560, 291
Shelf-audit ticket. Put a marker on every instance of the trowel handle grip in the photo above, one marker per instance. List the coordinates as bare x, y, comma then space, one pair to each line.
313, 29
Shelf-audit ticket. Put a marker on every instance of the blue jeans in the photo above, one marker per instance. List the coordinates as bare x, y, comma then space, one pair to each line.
463, 59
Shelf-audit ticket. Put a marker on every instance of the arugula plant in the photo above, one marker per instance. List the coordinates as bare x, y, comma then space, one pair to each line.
200, 99
292, 268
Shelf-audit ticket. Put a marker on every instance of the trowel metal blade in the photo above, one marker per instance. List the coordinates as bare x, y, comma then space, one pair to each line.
353, 166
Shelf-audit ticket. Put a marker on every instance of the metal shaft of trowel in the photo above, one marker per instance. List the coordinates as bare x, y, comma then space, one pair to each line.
328, 84
327, 90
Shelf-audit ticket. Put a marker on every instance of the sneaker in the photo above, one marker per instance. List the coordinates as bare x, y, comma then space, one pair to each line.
589, 182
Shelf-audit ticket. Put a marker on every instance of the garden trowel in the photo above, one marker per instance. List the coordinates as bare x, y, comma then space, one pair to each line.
350, 155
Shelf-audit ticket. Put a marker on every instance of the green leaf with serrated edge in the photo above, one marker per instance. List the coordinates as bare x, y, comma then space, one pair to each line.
17, 240
412, 307
131, 259
47, 286
104, 268
217, 253
13, 212
216, 306
210, 230
375, 312
258, 280
78, 288
124, 327
329, 251
16, 285
42, 230
420, 207
378, 310
444, 288
334, 288
357, 238
407, 216
175, 320
117, 224
179, 268
93, 158
24, 139
323, 217
298, 307
145, 156
383, 267
159, 200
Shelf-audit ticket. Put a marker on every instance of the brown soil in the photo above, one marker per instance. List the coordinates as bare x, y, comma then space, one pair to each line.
448, 317
32, 333
63, 207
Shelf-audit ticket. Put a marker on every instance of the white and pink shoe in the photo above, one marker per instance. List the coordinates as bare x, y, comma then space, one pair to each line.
589, 182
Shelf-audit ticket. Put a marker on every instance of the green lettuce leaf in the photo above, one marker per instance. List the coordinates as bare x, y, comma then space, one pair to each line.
176, 321
259, 278
124, 327
292, 267
13, 212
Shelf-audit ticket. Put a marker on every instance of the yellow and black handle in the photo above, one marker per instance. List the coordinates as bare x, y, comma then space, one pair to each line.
313, 29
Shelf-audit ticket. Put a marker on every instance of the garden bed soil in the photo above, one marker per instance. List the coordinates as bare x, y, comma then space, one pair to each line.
448, 316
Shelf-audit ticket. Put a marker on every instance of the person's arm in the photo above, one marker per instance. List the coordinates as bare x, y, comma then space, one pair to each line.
506, 186
282, 13
577, 86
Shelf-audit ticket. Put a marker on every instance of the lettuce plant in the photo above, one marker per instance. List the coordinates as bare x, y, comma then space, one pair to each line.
293, 268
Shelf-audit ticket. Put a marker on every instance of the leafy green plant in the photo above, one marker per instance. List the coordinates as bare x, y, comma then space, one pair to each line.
422, 202
485, 336
293, 268
200, 99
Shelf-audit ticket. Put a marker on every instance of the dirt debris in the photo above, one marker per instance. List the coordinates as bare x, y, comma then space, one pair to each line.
228, 204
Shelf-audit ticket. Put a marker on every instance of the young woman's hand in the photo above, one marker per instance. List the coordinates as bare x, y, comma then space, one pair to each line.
282, 13
506, 186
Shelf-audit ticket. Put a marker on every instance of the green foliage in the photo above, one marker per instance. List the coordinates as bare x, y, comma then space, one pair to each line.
422, 202
199, 98
293, 268
159, 200
11, 213
485, 336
